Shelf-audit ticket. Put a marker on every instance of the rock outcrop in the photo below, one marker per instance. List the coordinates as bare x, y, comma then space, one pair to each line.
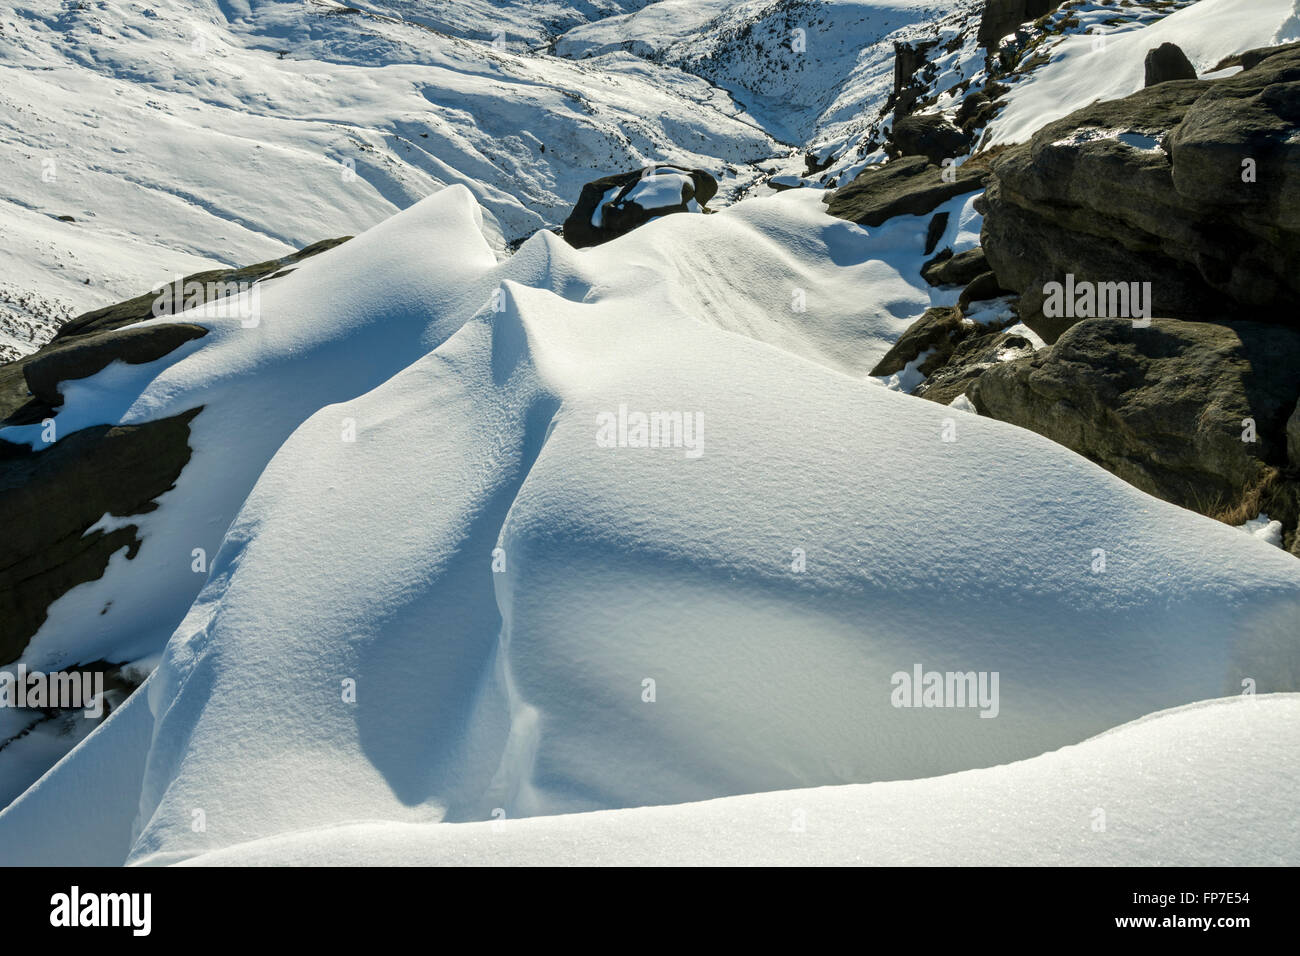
911, 186
974, 355
1190, 186
51, 498
53, 493
1003, 16
938, 332
1192, 412
614, 205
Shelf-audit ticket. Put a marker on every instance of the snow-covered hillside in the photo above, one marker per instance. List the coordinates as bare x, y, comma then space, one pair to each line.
625, 540
188, 133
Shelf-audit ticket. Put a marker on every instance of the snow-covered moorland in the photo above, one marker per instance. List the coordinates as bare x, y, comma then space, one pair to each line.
493, 550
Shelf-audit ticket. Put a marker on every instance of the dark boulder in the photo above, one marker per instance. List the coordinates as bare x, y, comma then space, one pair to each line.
609, 207
1168, 62
929, 135
1192, 412
84, 355
1191, 186
934, 232
983, 287
50, 498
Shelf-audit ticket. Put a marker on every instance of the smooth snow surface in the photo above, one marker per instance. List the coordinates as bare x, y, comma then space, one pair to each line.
763, 593
1163, 791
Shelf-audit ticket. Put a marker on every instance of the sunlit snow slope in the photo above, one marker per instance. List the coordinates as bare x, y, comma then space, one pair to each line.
501, 587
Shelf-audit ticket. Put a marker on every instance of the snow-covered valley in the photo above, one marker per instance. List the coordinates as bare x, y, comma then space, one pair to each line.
482, 548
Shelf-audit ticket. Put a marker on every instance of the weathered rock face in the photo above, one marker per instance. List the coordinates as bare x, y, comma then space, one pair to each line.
1168, 62
1166, 407
938, 331
911, 186
961, 269
53, 494
928, 135
972, 357
1191, 186
608, 207
50, 498
1003, 16
908, 60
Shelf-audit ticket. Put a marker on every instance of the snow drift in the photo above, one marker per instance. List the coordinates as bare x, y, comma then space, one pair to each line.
438, 594
1163, 791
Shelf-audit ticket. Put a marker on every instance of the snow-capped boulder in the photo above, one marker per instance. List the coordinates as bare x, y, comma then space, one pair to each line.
1189, 190
614, 205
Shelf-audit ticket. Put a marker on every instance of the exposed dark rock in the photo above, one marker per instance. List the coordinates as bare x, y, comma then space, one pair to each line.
812, 165
911, 186
620, 214
50, 498
84, 355
82, 346
51, 495
984, 286
961, 269
1003, 16
1293, 437
1169, 408
908, 88
143, 306
934, 232
973, 356
928, 135
975, 112
1192, 186
1168, 62
939, 329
